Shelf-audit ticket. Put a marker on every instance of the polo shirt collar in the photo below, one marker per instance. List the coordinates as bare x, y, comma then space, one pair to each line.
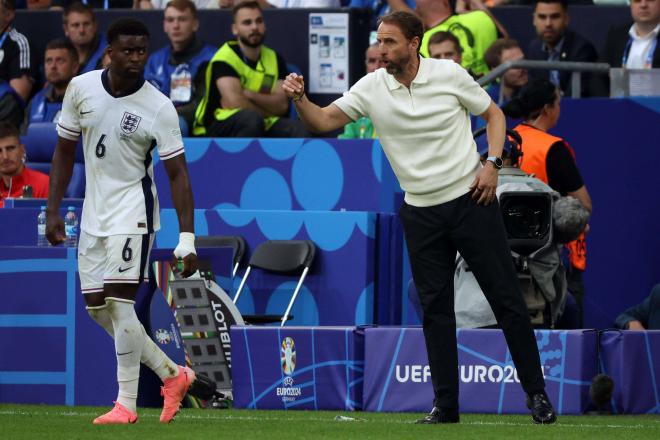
422, 76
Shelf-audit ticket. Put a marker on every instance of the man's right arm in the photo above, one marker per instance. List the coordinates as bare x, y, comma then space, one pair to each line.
315, 118
60, 174
231, 94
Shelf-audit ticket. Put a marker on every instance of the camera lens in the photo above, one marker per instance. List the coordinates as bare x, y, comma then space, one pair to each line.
526, 217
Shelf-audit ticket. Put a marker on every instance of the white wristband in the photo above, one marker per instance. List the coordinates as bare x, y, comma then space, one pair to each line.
186, 245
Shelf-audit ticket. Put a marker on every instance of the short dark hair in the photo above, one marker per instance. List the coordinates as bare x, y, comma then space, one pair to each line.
63, 43
244, 5
531, 99
79, 8
409, 23
563, 3
493, 55
126, 26
442, 36
182, 5
7, 129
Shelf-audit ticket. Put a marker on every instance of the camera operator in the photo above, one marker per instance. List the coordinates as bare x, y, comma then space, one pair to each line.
552, 160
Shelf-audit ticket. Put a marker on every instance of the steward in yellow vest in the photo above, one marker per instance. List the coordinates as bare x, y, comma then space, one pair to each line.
243, 96
475, 30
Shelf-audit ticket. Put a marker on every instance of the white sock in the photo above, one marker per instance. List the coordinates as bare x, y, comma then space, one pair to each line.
129, 343
102, 317
152, 356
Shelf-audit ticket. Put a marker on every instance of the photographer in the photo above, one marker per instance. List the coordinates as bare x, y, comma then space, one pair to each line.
552, 160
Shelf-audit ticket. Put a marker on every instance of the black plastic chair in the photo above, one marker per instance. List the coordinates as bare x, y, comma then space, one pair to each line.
236, 242
286, 257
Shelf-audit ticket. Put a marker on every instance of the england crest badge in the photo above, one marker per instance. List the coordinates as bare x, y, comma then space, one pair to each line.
130, 122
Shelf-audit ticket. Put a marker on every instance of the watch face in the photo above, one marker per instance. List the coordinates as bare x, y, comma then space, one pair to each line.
498, 162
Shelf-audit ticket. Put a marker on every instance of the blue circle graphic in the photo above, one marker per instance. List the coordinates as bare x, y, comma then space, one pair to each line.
377, 160
265, 188
233, 145
304, 310
331, 230
364, 310
278, 225
234, 216
280, 149
245, 303
317, 176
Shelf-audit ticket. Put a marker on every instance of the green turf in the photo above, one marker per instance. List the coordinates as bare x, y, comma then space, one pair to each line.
68, 423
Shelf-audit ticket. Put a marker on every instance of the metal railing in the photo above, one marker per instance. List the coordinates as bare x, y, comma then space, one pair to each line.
576, 67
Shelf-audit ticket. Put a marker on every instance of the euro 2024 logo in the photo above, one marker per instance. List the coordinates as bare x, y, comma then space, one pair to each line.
288, 356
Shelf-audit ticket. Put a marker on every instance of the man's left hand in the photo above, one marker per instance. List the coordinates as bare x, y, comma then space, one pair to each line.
189, 265
185, 253
485, 184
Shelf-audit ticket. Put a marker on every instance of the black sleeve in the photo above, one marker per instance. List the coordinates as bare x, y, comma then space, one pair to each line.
282, 69
563, 173
221, 69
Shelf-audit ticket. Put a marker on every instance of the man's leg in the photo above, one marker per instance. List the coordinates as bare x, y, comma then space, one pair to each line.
244, 123
288, 128
432, 260
481, 239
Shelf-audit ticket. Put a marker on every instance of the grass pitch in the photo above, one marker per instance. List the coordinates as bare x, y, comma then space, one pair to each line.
68, 423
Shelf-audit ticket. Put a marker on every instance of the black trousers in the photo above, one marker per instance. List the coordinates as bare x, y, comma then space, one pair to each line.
433, 235
249, 124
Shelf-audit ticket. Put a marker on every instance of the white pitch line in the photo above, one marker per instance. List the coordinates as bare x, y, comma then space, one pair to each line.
183, 415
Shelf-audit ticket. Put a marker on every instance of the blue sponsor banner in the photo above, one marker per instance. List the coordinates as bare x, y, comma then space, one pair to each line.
397, 377
632, 359
297, 367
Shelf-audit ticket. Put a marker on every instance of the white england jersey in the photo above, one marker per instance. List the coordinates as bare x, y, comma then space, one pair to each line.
119, 134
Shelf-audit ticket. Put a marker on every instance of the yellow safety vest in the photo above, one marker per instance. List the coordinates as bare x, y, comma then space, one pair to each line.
475, 30
262, 79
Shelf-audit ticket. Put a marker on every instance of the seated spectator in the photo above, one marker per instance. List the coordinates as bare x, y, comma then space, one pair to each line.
34, 5
178, 69
445, 46
14, 175
243, 96
199, 4
551, 160
60, 66
80, 28
643, 316
502, 51
556, 42
95, 4
382, 7
476, 31
16, 73
303, 3
363, 128
635, 46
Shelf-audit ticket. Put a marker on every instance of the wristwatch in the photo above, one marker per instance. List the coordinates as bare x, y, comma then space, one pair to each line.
497, 162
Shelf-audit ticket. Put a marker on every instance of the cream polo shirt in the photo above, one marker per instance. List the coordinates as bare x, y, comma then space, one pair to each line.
425, 130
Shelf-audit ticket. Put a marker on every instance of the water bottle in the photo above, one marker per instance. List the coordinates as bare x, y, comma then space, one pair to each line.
71, 227
41, 228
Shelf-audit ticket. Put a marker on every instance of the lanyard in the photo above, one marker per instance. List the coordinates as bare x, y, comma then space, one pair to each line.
648, 62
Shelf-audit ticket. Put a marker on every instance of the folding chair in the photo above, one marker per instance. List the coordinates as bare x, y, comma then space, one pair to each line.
236, 242
285, 257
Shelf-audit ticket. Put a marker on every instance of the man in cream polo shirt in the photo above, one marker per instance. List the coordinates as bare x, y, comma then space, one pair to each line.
420, 109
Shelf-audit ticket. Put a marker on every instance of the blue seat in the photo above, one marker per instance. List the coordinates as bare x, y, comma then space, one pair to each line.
76, 188
40, 141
